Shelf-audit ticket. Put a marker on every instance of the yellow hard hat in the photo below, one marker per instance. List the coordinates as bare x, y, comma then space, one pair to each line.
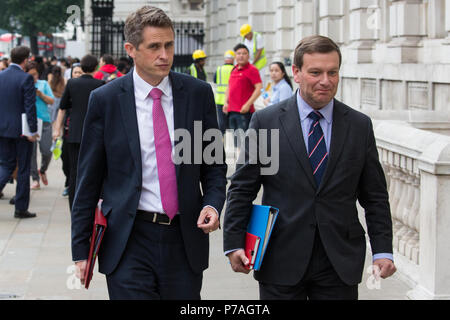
245, 29
198, 54
229, 54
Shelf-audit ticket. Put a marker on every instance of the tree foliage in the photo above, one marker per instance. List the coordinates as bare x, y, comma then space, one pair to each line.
29, 17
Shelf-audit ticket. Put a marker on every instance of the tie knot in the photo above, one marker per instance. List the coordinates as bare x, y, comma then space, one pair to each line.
315, 115
156, 94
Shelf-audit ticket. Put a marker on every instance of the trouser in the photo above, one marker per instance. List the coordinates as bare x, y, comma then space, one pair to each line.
238, 121
16, 152
45, 143
320, 282
65, 162
54, 109
74, 151
154, 266
222, 118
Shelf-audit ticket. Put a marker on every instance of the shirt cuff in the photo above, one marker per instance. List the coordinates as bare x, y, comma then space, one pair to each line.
208, 206
389, 256
230, 251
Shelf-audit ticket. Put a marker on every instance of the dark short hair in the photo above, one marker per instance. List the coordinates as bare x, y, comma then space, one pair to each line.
147, 16
30, 65
108, 59
315, 44
240, 46
89, 63
20, 54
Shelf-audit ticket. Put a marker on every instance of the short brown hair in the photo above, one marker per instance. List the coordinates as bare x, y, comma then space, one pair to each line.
145, 16
314, 44
20, 54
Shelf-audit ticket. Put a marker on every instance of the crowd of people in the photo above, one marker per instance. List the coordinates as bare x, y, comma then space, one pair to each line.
60, 109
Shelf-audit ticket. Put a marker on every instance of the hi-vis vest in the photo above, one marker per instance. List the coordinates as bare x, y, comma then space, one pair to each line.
261, 63
222, 78
193, 71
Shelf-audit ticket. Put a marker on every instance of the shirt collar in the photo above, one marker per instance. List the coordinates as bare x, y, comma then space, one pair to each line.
143, 88
280, 83
305, 109
15, 64
244, 67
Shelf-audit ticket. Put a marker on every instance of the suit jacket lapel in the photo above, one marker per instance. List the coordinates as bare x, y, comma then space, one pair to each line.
179, 106
129, 118
290, 123
338, 136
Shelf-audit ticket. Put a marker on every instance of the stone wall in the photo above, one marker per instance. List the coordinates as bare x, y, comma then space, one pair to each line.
396, 53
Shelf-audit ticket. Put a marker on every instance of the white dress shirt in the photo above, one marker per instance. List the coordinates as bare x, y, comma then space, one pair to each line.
150, 194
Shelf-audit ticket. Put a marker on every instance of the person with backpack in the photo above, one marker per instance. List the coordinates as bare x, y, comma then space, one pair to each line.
107, 71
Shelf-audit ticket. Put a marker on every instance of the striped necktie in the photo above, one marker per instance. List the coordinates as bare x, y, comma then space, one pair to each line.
317, 149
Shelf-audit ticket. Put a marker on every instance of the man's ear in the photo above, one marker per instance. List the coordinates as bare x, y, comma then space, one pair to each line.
296, 73
130, 48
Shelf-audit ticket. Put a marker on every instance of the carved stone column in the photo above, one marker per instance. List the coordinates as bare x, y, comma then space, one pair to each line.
364, 27
284, 17
331, 13
406, 30
303, 19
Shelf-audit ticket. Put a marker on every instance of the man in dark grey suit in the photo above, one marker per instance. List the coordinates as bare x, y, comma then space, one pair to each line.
327, 161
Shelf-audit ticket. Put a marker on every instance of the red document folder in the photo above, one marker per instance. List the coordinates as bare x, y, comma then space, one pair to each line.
96, 240
251, 248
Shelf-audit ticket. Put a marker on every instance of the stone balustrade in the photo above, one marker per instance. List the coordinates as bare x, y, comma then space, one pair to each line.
417, 167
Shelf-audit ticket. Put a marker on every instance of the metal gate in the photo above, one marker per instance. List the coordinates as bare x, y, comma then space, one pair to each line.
107, 36
189, 36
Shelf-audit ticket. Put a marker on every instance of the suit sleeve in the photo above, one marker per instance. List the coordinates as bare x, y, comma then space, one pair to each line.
213, 176
91, 168
374, 198
66, 101
29, 94
244, 188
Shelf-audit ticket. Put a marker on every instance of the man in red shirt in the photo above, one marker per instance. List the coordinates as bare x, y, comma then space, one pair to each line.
108, 71
244, 87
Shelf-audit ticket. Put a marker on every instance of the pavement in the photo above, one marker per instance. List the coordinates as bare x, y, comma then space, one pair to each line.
35, 256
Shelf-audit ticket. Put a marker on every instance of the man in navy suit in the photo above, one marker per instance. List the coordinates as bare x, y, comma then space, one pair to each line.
159, 214
18, 97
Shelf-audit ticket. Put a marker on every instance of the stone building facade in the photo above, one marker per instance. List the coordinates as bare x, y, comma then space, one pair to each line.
396, 53
396, 69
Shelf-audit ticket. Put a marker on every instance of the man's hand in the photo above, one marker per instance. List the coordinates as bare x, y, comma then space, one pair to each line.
245, 109
384, 267
238, 261
56, 133
80, 268
225, 109
32, 138
208, 220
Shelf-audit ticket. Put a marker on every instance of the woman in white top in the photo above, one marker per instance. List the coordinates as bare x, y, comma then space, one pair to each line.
282, 88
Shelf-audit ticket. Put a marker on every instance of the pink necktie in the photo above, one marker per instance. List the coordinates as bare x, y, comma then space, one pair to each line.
163, 146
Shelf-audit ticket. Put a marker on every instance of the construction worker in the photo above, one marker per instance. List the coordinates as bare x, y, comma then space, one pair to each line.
221, 78
255, 44
196, 68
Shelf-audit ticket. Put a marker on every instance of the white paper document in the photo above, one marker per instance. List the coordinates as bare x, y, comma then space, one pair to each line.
26, 127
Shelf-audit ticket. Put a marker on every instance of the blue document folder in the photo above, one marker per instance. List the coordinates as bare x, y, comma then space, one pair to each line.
261, 224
